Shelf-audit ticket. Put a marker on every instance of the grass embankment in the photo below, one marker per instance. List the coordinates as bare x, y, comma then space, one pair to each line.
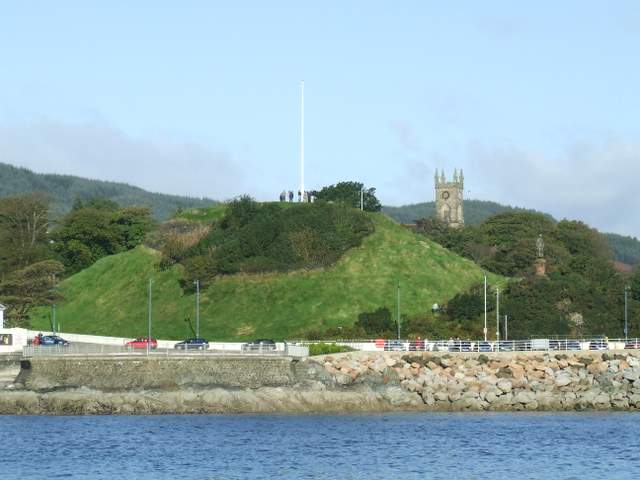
110, 297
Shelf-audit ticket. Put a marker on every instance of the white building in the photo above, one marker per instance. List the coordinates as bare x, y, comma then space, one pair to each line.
2, 309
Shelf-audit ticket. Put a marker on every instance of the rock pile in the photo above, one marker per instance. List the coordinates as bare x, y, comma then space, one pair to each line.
524, 381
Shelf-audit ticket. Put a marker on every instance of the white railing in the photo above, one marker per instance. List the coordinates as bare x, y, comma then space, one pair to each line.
542, 344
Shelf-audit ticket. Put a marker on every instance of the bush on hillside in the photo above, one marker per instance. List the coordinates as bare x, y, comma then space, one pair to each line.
253, 238
378, 322
327, 348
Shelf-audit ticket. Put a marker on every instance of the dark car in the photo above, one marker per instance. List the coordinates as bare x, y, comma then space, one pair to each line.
564, 345
259, 345
482, 347
47, 340
192, 344
393, 346
598, 344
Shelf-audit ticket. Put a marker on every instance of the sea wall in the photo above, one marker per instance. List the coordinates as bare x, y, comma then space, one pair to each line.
351, 382
523, 381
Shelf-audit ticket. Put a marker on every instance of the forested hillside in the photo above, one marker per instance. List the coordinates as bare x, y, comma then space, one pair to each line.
64, 190
624, 249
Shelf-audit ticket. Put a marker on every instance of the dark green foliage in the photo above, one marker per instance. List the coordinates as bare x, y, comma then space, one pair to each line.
97, 229
326, 348
625, 249
64, 190
29, 287
475, 211
581, 295
23, 231
468, 306
252, 237
378, 322
349, 194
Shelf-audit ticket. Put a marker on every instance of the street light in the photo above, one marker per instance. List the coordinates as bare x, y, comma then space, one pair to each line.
197, 282
362, 199
398, 309
485, 308
626, 324
497, 314
149, 322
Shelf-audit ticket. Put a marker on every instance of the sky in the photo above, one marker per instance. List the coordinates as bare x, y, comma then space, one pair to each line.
537, 101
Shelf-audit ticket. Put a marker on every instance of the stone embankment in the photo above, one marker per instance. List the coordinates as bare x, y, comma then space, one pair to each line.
525, 381
351, 382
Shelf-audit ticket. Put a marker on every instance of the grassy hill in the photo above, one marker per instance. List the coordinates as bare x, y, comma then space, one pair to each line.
63, 190
109, 298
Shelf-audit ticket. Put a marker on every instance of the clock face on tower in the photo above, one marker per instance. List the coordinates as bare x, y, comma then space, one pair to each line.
445, 195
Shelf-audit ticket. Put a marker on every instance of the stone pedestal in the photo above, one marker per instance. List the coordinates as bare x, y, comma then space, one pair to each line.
541, 267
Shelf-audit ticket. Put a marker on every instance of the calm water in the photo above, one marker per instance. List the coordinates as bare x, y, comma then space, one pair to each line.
395, 446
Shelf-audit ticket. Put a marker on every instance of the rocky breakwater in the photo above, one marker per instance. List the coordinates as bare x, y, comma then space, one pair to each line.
501, 382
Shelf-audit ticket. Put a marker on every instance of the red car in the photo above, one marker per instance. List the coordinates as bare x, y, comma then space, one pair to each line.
141, 342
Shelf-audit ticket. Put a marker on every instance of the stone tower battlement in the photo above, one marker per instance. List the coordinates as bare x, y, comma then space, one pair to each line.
449, 198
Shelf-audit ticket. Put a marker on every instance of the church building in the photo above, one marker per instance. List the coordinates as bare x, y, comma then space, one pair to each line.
449, 199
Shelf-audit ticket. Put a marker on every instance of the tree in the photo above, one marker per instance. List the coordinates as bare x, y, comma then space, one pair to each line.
24, 221
349, 194
376, 323
99, 228
29, 287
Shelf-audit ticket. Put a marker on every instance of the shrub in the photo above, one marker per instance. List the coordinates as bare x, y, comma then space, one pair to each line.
326, 348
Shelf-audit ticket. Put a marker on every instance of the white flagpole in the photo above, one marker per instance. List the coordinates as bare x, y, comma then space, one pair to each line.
302, 140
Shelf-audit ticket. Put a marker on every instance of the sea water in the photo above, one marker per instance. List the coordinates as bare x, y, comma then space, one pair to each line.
378, 446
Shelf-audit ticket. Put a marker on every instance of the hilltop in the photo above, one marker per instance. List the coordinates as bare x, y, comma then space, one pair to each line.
64, 190
109, 298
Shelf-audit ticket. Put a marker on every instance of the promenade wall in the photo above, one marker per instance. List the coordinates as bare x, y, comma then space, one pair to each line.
350, 382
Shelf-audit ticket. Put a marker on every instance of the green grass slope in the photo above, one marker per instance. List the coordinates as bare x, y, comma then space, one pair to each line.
109, 298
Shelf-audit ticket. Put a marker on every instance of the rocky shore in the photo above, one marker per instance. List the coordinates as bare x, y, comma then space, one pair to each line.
351, 382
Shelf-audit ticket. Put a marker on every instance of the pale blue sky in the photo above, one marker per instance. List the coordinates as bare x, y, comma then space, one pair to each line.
538, 103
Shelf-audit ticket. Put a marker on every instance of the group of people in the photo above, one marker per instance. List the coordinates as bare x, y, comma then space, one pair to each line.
306, 196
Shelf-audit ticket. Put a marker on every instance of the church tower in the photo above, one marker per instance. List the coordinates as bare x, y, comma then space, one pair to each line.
449, 199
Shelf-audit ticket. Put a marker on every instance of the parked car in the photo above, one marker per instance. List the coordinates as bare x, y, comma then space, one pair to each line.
564, 345
141, 342
482, 347
259, 345
632, 344
192, 344
598, 344
393, 346
48, 340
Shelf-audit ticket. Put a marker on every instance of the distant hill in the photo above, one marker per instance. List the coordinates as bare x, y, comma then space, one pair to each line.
109, 298
625, 249
63, 190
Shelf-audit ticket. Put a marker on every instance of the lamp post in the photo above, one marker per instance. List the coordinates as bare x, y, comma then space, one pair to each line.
626, 324
497, 314
362, 199
398, 309
485, 308
149, 320
197, 282
506, 327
